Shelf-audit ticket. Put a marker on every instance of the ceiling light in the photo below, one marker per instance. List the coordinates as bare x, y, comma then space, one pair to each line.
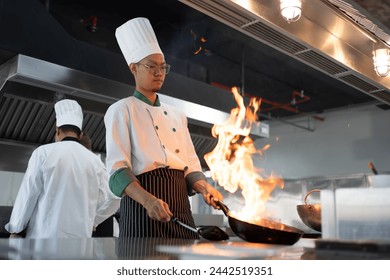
381, 59
291, 9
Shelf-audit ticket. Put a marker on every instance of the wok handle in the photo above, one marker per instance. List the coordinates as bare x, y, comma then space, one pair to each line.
310, 192
372, 167
223, 207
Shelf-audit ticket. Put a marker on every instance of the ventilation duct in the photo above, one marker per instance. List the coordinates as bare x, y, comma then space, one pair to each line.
324, 38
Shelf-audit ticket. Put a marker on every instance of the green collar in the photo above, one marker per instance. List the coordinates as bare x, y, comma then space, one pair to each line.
141, 97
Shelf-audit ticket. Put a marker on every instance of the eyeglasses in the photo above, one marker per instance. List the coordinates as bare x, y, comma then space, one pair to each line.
155, 69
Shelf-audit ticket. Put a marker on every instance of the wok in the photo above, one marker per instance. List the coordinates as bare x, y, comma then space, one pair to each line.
212, 233
273, 233
310, 214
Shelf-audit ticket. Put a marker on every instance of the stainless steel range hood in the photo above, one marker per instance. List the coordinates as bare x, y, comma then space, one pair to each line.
325, 37
30, 87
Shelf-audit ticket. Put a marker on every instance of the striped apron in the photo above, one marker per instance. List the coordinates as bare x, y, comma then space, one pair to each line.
170, 186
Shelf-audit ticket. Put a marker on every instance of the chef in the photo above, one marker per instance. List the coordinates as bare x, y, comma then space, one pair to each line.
151, 159
64, 192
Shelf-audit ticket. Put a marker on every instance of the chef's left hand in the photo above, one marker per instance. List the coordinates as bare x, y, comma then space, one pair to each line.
209, 193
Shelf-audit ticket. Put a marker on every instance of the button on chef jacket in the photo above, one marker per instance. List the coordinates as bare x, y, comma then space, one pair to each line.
141, 137
64, 193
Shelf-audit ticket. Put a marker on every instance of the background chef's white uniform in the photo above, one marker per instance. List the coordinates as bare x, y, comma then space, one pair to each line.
64, 193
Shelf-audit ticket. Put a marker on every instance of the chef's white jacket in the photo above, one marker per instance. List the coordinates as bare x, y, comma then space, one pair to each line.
64, 193
141, 137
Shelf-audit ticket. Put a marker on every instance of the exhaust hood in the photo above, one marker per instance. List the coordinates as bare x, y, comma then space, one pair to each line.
326, 37
30, 87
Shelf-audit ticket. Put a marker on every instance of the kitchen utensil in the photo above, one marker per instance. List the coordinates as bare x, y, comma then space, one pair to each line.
372, 167
310, 214
273, 233
212, 233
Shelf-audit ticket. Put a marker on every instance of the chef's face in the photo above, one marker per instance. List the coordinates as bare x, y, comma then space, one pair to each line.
149, 73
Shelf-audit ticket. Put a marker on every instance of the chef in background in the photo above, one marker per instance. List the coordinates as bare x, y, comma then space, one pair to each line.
106, 228
64, 192
150, 156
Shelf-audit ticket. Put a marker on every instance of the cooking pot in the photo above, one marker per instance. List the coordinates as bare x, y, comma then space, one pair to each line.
310, 214
273, 233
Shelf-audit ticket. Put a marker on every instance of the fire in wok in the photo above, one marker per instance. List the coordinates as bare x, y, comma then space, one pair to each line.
231, 165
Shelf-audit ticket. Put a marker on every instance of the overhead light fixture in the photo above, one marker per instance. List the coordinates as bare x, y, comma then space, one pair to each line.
381, 59
291, 9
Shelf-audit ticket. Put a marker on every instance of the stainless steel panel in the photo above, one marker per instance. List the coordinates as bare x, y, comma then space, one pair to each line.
325, 38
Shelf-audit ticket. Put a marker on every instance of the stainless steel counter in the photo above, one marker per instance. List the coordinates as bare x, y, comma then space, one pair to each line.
102, 248
112, 248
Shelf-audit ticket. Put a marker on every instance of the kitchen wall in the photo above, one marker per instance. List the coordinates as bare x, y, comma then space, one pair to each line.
342, 143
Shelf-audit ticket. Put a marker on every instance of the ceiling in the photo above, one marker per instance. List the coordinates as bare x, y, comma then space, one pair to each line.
210, 46
226, 57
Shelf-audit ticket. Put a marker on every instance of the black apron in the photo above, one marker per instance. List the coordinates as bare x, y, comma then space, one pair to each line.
170, 186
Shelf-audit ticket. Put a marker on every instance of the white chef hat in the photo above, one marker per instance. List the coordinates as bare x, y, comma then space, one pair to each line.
68, 112
137, 40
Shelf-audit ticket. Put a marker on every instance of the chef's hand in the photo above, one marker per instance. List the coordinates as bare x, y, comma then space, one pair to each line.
158, 209
208, 192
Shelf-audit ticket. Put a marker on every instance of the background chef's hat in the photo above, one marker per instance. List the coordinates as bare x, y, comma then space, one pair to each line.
68, 112
137, 40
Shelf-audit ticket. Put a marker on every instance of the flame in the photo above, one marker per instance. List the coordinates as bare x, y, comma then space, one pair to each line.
231, 163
